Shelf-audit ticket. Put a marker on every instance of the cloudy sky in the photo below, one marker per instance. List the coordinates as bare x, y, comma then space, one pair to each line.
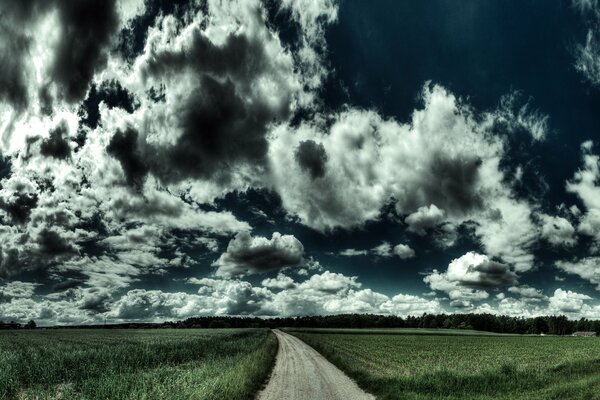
167, 159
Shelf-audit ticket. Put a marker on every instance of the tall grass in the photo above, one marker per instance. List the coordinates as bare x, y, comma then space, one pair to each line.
135, 364
465, 367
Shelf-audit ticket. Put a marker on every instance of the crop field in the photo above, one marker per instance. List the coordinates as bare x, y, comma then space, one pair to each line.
134, 364
445, 366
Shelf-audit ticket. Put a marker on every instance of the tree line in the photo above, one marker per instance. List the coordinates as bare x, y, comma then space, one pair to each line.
551, 325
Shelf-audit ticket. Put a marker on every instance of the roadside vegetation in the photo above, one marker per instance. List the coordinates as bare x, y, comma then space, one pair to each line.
446, 366
135, 364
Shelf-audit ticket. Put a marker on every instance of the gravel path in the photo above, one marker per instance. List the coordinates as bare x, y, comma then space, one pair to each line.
301, 373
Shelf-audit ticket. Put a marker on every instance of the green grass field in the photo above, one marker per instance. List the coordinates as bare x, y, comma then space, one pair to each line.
452, 365
134, 364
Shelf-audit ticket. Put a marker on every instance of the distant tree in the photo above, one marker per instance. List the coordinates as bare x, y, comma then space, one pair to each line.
30, 325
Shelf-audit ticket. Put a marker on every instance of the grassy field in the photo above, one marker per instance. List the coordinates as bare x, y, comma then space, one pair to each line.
401, 331
451, 366
134, 364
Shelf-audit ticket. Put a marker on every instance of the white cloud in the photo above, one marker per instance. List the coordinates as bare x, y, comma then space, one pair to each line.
566, 301
586, 268
425, 218
353, 252
441, 167
585, 185
404, 251
17, 289
528, 292
518, 114
468, 278
280, 282
558, 231
382, 250
385, 250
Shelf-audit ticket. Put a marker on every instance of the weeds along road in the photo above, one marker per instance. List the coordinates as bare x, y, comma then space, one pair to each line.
302, 373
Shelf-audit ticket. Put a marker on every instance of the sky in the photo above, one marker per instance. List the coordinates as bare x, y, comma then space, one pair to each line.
161, 160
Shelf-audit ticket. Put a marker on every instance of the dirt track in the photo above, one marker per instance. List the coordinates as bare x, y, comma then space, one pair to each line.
301, 373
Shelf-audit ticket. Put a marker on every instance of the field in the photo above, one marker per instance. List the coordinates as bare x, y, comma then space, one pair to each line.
449, 366
134, 364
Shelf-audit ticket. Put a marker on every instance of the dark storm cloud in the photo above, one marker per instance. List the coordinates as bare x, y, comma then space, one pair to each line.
490, 274
13, 46
56, 145
239, 58
19, 208
15, 42
219, 129
124, 147
87, 29
449, 182
110, 93
247, 255
133, 37
95, 300
223, 122
312, 157
52, 244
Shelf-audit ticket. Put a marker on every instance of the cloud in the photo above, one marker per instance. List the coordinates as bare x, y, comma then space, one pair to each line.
566, 301
586, 268
87, 28
585, 185
247, 255
75, 50
17, 289
558, 231
224, 80
385, 250
334, 293
280, 282
404, 251
470, 277
441, 169
353, 252
56, 145
588, 55
529, 293
424, 218
516, 114
312, 158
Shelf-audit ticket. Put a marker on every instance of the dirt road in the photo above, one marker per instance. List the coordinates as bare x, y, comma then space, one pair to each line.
301, 373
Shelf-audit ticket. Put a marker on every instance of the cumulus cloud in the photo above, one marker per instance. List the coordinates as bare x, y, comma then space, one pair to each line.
403, 251
566, 301
470, 277
424, 218
585, 185
586, 268
247, 255
440, 169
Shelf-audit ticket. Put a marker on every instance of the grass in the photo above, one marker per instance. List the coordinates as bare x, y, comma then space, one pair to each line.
135, 364
401, 331
408, 366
